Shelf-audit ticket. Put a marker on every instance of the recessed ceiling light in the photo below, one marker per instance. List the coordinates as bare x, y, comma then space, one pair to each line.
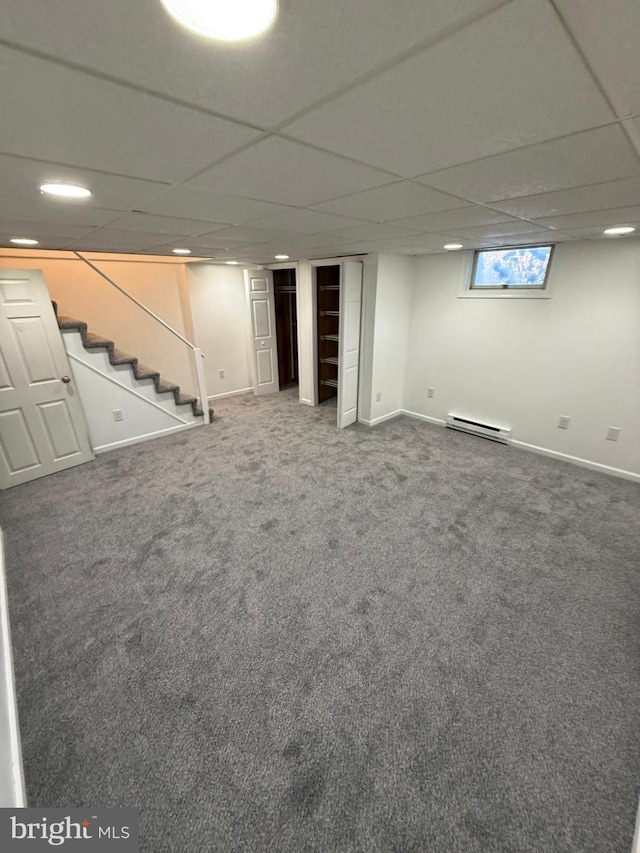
453, 247
619, 229
24, 241
226, 20
181, 251
281, 257
233, 263
65, 190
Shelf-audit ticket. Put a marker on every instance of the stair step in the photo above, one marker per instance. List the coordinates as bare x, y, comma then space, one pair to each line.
140, 372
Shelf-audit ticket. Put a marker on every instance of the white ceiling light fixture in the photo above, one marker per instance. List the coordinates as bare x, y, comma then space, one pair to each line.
619, 230
281, 257
225, 20
181, 251
65, 190
24, 241
453, 247
232, 263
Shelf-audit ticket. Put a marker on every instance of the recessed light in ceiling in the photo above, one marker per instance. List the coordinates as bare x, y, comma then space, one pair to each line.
225, 20
232, 263
24, 241
181, 251
281, 257
65, 190
453, 247
619, 230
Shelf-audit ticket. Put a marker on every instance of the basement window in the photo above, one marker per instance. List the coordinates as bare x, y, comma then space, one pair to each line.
516, 269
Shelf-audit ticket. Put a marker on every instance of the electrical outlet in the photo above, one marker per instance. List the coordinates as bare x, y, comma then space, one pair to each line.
378, 396
613, 433
117, 415
564, 422
221, 374
430, 392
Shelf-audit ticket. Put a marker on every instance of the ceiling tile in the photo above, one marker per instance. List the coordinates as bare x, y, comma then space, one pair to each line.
582, 158
278, 170
142, 222
390, 202
306, 221
373, 231
510, 79
18, 228
502, 229
114, 240
62, 212
265, 84
461, 217
531, 238
54, 113
609, 34
580, 200
239, 235
602, 218
189, 203
595, 233
22, 178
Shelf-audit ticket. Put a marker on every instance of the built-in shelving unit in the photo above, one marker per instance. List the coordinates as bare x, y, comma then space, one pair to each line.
328, 313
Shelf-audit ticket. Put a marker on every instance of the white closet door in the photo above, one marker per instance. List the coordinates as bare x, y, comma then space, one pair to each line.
260, 295
350, 305
42, 424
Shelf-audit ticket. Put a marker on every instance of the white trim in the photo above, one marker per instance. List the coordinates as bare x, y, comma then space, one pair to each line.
636, 838
10, 748
127, 442
231, 393
306, 402
420, 417
465, 291
576, 460
381, 419
130, 390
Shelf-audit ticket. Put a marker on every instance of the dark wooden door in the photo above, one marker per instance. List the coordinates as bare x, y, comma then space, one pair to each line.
286, 325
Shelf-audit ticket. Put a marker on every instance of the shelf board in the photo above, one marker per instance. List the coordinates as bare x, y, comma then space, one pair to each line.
329, 337
332, 382
329, 313
329, 287
332, 360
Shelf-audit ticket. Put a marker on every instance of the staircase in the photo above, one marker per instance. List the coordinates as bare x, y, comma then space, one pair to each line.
95, 344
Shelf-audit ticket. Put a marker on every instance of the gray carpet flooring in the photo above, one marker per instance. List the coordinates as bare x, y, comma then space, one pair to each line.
271, 635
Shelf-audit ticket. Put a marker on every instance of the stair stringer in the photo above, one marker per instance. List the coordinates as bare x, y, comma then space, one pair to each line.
105, 388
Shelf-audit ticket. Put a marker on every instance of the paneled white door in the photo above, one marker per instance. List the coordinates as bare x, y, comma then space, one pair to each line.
42, 424
260, 296
350, 305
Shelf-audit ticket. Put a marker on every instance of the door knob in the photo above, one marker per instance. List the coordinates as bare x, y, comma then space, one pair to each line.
65, 379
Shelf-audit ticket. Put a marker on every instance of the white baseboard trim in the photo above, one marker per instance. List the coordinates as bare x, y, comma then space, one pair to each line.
576, 460
419, 417
12, 788
636, 837
306, 402
127, 442
381, 419
230, 393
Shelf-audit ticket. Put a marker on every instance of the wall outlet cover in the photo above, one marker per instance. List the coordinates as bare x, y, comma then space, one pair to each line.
564, 422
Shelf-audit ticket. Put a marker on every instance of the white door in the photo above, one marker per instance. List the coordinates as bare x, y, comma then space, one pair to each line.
350, 303
42, 425
263, 331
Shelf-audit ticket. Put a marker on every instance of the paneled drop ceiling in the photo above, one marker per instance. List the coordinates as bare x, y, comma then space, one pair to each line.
352, 126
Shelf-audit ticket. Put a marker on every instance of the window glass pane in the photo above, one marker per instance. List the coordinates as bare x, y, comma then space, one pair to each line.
522, 267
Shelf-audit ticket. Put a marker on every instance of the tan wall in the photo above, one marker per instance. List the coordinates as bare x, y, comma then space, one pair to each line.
159, 283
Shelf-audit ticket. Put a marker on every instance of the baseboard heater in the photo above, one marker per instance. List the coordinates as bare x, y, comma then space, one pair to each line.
494, 433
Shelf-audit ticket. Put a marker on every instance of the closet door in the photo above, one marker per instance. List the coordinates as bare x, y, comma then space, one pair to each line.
349, 358
263, 331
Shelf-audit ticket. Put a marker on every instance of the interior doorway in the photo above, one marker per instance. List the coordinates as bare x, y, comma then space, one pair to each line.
286, 310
